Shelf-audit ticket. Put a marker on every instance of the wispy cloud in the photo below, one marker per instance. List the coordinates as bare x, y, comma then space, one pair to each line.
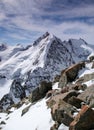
25, 20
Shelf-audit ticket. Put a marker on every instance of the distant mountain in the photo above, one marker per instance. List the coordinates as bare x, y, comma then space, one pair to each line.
22, 69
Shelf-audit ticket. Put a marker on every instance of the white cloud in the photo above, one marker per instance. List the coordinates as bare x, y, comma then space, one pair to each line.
27, 16
2, 16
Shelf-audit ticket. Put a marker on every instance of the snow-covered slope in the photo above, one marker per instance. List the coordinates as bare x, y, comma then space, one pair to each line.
37, 118
40, 61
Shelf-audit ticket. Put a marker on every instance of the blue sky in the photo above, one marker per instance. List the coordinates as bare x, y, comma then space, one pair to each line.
23, 21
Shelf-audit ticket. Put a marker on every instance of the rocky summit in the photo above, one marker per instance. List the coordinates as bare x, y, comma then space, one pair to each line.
49, 79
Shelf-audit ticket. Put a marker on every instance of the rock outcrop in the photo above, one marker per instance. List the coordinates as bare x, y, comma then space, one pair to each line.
84, 120
40, 91
88, 96
70, 74
85, 78
61, 111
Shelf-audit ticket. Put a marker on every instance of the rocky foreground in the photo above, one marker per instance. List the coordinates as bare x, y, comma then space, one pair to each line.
70, 103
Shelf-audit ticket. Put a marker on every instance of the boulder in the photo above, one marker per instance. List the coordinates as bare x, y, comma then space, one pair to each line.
88, 96
61, 111
44, 88
85, 78
84, 120
40, 91
34, 96
69, 95
2, 123
75, 101
70, 74
61, 96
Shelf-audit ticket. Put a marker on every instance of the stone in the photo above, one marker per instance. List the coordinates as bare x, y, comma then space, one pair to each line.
75, 101
69, 95
40, 91
88, 96
84, 120
61, 96
79, 87
44, 87
2, 123
70, 74
61, 111
85, 78
25, 110
34, 96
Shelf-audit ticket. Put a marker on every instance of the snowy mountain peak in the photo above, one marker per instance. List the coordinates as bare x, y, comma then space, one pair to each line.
46, 36
3, 46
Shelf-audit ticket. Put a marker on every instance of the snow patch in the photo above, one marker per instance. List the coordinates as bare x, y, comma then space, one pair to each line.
37, 118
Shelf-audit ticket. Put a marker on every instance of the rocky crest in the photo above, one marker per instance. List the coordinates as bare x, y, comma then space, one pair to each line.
73, 97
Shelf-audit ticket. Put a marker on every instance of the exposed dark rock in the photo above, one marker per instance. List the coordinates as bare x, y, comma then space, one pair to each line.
85, 78
6, 102
80, 80
17, 89
34, 96
91, 58
44, 87
60, 110
84, 120
75, 101
57, 78
70, 74
25, 110
2, 123
88, 96
40, 91
61, 96
3, 47
69, 95
55, 126
78, 87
